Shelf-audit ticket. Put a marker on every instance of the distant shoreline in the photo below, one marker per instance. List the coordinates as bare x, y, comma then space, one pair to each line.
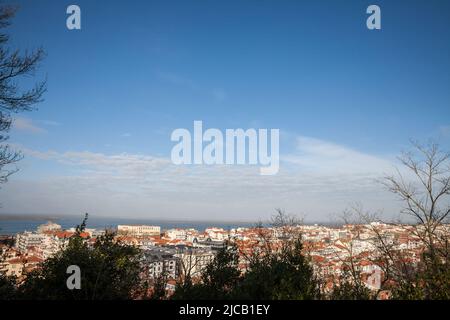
11, 217
11, 224
35, 217
18, 217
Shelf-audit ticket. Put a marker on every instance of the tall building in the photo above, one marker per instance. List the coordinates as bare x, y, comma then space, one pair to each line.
27, 239
158, 262
194, 260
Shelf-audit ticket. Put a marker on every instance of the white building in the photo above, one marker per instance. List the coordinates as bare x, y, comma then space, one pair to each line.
194, 260
178, 234
139, 230
157, 263
49, 226
217, 234
44, 245
28, 239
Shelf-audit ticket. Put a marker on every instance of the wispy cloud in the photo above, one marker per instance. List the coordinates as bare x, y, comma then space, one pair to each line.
319, 178
325, 157
50, 123
120, 164
25, 124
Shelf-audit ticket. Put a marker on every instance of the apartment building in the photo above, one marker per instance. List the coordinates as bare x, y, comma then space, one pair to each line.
176, 234
194, 260
159, 262
139, 230
28, 239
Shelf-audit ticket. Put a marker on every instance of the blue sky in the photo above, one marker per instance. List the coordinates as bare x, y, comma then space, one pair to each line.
139, 69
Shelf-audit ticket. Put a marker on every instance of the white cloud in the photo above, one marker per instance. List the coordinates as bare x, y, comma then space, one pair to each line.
325, 157
50, 123
319, 179
25, 124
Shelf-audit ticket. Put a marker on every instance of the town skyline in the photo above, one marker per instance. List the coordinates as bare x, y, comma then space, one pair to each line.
172, 251
230, 158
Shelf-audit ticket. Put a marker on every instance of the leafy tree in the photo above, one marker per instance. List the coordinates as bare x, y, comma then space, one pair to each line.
286, 275
218, 280
273, 272
430, 281
350, 287
7, 285
350, 291
222, 274
159, 287
109, 270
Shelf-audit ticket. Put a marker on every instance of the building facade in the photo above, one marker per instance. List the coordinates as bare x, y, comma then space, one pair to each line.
139, 230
